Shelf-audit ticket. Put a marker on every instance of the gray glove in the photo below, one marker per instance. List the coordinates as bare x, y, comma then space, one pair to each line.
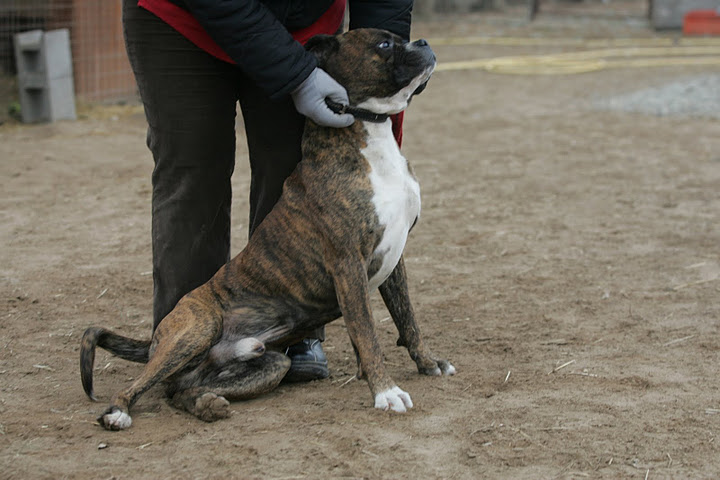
309, 99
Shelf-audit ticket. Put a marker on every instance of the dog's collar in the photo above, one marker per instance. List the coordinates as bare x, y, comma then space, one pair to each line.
358, 113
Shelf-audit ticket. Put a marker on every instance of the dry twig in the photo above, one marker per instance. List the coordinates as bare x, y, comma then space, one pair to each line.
366, 452
352, 377
561, 366
677, 340
692, 284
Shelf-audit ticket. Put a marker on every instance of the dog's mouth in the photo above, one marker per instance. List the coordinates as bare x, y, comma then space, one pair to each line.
400, 100
420, 89
419, 83
422, 57
424, 83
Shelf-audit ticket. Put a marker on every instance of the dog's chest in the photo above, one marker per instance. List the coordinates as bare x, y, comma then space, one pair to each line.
396, 197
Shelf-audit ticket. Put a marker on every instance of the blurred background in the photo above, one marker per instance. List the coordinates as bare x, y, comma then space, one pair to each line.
102, 73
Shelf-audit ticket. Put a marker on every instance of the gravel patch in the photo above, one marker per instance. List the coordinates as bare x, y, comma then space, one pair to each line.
697, 96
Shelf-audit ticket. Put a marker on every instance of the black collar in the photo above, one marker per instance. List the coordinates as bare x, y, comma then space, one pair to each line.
359, 113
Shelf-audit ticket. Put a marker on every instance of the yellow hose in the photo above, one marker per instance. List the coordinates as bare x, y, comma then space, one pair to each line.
576, 42
627, 52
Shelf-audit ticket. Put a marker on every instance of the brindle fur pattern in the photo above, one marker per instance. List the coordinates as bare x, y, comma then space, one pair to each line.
307, 264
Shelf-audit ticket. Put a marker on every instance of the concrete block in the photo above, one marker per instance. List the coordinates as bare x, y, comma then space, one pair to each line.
57, 53
45, 75
669, 13
62, 99
29, 41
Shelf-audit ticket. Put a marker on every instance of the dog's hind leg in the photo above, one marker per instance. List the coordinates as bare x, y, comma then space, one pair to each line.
394, 292
203, 403
236, 380
188, 332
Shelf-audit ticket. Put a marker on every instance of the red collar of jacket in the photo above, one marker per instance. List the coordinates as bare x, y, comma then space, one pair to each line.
182, 21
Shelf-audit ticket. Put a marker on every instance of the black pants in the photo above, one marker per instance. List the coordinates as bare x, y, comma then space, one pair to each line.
190, 102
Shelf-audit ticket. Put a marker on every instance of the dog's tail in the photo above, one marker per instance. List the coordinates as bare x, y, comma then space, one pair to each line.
124, 347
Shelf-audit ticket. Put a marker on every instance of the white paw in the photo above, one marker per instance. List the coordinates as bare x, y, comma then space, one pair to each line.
449, 370
247, 348
393, 399
117, 420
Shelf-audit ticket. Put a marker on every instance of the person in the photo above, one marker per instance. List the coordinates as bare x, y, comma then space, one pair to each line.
193, 61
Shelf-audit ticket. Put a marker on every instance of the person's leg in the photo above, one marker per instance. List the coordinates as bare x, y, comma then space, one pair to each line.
274, 132
190, 102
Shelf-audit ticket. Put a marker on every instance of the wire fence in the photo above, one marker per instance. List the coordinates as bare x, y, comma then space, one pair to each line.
100, 66
101, 69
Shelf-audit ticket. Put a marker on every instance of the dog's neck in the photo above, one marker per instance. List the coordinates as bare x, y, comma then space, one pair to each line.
358, 113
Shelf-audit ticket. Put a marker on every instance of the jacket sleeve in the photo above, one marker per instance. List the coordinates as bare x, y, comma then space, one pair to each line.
392, 15
260, 45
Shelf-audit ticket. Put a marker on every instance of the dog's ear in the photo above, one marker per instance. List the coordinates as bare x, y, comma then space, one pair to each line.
322, 46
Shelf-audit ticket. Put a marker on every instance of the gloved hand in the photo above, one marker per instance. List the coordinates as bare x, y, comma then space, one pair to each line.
309, 99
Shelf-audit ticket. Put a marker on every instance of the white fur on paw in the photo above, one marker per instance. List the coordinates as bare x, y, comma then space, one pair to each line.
247, 348
450, 370
393, 399
117, 420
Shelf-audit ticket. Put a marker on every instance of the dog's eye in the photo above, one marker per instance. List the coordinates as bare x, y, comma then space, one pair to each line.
384, 45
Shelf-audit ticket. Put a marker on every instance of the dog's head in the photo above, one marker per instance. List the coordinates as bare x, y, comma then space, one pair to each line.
379, 70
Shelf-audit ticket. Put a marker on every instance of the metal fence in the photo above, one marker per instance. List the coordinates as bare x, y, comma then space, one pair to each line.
100, 64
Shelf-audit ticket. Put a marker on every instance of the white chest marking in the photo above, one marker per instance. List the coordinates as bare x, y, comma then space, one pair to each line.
396, 196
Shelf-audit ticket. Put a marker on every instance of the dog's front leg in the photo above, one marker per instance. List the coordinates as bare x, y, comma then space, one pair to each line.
394, 292
351, 285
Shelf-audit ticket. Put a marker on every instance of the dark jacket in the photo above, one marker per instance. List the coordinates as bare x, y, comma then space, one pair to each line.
255, 33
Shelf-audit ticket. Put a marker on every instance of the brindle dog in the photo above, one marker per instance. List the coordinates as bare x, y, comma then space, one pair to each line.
337, 233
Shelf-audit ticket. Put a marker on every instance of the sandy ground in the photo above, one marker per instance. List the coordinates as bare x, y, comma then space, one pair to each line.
566, 262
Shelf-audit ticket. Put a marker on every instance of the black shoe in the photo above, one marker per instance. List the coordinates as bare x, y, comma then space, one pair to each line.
308, 361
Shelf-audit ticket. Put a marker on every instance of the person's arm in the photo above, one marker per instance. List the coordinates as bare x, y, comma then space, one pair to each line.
264, 50
260, 45
391, 15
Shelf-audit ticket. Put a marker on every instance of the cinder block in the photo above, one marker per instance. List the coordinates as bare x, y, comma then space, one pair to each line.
62, 99
57, 53
45, 75
29, 41
670, 13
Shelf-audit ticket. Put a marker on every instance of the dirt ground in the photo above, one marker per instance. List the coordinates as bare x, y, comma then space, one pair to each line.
566, 262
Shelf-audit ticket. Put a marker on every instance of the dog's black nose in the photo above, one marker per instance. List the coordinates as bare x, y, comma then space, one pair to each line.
421, 43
